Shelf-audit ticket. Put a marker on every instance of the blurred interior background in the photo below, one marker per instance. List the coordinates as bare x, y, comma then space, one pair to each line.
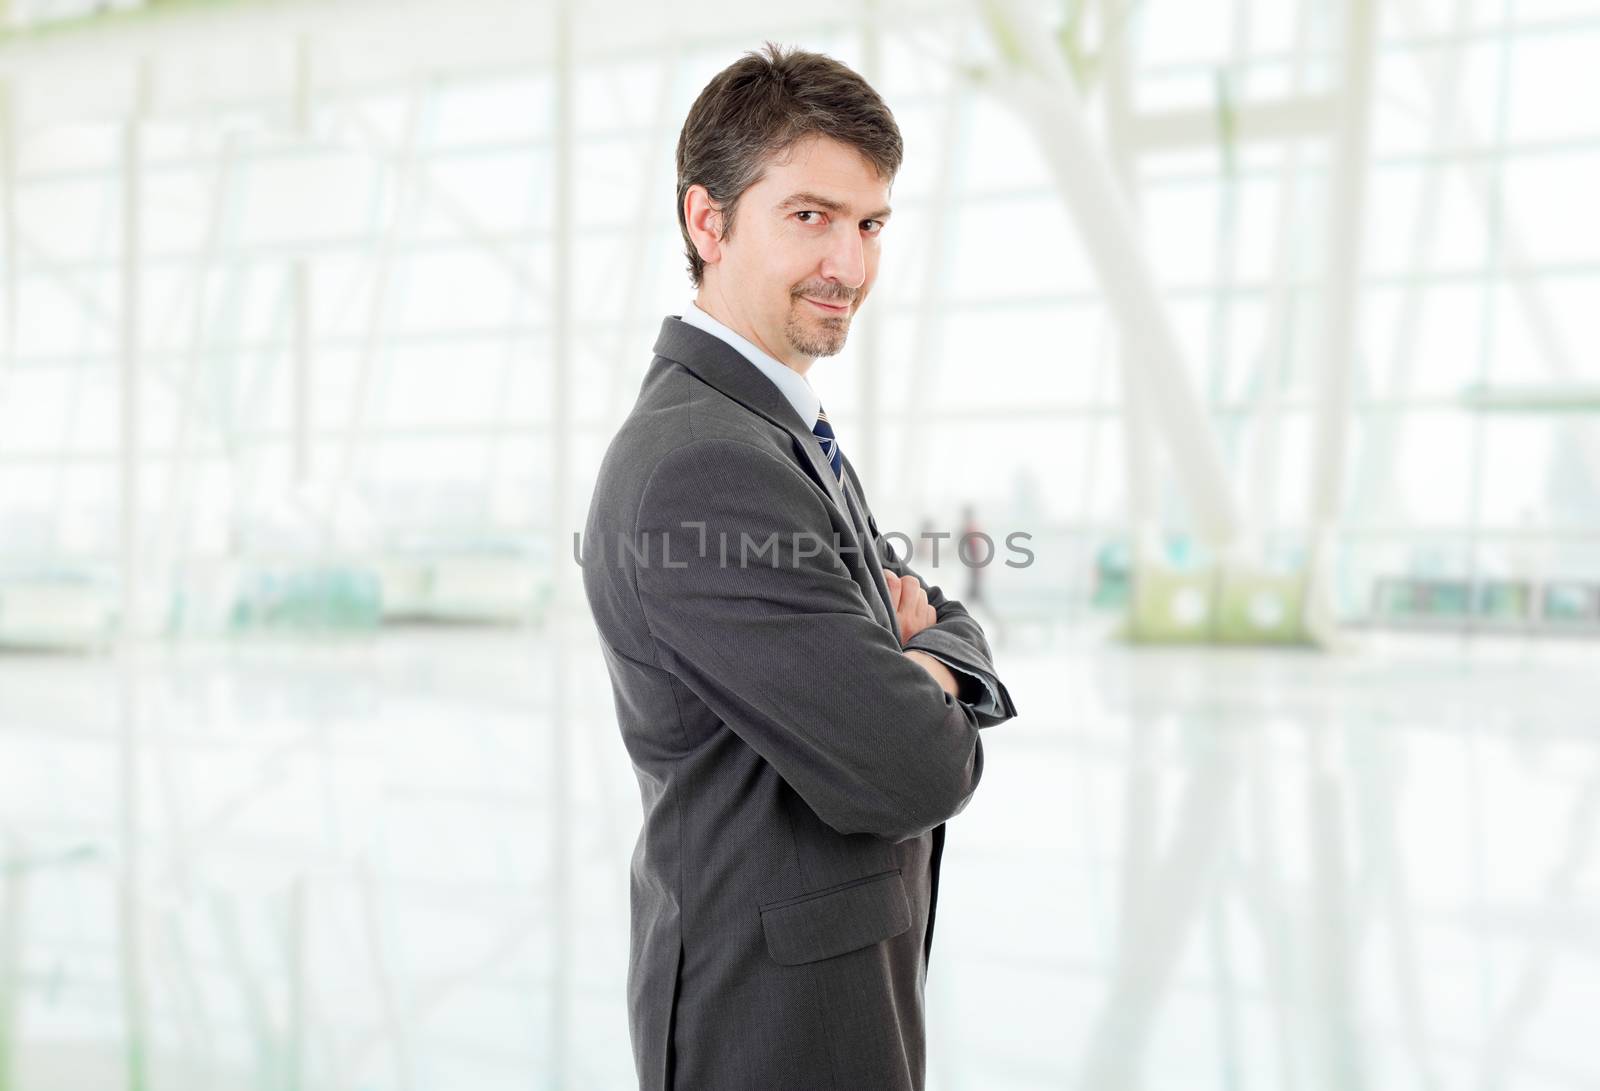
1271, 325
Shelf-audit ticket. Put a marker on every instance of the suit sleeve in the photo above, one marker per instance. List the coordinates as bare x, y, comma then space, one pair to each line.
957, 641
753, 608
977, 691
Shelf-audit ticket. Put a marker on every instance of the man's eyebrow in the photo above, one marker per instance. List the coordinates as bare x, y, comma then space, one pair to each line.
826, 204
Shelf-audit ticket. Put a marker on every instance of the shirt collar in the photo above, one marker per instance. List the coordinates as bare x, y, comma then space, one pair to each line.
790, 383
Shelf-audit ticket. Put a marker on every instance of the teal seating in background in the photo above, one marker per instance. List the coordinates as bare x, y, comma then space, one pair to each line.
324, 598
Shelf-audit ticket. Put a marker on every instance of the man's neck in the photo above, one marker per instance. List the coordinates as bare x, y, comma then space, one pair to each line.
713, 303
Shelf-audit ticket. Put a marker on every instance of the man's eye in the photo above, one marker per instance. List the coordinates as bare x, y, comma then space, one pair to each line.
872, 227
804, 214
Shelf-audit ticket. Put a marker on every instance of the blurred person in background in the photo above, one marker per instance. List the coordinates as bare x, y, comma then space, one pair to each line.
975, 551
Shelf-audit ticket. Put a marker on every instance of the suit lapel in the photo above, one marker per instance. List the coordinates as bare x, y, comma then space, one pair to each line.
863, 523
726, 369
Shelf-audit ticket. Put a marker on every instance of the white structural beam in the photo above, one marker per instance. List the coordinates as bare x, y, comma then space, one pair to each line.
8, 234
1267, 409
130, 909
912, 472
1272, 121
869, 361
622, 376
182, 468
563, 597
13, 913
300, 410
130, 307
1040, 87
1341, 303
1375, 483
1137, 430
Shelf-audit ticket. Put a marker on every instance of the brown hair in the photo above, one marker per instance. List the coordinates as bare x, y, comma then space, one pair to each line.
760, 106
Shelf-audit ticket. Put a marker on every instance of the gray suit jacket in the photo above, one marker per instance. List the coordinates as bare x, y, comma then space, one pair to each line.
796, 769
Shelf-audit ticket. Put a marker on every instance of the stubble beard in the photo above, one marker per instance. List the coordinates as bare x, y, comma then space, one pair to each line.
815, 335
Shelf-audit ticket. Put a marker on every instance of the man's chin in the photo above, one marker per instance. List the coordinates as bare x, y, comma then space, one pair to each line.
818, 335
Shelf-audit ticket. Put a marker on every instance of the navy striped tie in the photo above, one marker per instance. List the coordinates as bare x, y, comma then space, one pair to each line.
830, 446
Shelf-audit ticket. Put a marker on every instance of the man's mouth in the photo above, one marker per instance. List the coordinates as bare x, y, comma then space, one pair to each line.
827, 308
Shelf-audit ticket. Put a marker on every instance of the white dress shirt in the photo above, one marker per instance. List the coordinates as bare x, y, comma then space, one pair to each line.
795, 387
789, 382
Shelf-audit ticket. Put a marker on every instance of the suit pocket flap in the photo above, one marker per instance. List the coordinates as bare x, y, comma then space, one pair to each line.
837, 920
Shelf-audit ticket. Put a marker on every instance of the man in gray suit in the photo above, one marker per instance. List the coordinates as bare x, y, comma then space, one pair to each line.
801, 711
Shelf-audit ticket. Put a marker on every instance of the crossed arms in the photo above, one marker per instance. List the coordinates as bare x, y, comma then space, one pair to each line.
785, 650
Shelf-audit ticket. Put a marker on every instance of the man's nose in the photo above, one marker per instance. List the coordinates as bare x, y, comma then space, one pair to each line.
846, 261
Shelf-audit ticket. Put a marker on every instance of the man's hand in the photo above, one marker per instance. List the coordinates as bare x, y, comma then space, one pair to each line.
912, 611
911, 607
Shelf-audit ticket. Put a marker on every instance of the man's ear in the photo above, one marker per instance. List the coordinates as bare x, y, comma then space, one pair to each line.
704, 220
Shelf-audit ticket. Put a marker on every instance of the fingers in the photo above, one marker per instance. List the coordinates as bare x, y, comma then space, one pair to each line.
915, 612
912, 594
910, 601
896, 588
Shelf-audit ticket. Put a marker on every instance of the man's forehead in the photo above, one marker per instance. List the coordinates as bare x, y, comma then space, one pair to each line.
834, 205
822, 173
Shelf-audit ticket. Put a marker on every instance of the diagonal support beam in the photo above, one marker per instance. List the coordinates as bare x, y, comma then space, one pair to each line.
1043, 92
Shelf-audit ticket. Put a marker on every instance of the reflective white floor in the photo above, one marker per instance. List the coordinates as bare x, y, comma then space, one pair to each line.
401, 863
